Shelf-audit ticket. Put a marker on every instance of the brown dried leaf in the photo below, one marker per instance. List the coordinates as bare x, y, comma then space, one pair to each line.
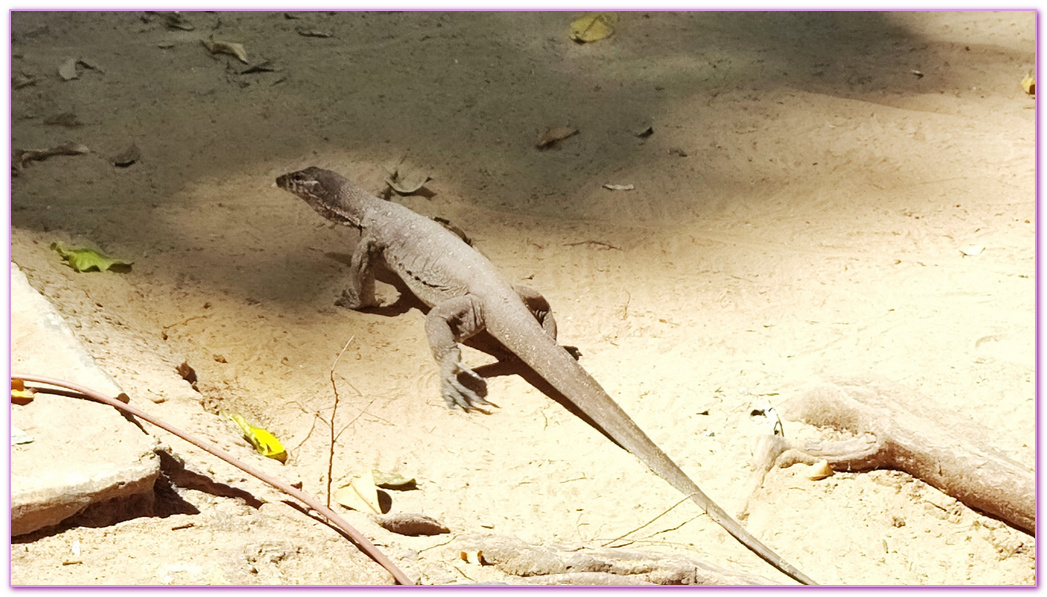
412, 525
552, 136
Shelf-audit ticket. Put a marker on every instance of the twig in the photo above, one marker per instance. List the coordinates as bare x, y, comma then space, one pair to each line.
627, 533
362, 542
330, 424
596, 243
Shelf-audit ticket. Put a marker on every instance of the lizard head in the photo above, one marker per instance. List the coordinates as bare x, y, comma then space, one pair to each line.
321, 189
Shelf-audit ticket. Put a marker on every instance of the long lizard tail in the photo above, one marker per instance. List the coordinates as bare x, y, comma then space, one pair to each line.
556, 366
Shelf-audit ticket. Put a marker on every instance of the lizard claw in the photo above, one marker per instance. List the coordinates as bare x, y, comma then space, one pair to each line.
465, 389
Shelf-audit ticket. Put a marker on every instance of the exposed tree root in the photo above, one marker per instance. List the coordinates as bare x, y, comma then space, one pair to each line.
898, 428
561, 565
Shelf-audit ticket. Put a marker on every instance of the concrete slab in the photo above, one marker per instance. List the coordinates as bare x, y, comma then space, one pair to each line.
82, 453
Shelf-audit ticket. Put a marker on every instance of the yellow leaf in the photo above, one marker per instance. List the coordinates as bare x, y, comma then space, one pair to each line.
1029, 84
593, 27
20, 395
360, 494
264, 443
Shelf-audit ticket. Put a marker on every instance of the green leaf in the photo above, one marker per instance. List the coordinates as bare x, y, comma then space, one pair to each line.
85, 260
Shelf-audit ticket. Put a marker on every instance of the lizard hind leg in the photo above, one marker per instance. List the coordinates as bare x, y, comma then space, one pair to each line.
543, 312
446, 325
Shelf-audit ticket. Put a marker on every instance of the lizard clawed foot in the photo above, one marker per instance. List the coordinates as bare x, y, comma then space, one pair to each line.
350, 300
465, 389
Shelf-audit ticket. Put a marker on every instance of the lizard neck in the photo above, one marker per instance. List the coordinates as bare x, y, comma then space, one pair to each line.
353, 204
346, 204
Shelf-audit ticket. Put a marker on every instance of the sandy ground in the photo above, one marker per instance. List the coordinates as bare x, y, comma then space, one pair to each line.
799, 211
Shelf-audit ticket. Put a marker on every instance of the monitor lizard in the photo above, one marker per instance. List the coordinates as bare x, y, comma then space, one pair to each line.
467, 295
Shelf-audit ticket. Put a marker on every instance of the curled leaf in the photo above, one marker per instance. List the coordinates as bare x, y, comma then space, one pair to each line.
412, 525
474, 556
85, 260
359, 494
176, 20
22, 157
553, 135
406, 180
127, 157
264, 442
593, 27
224, 47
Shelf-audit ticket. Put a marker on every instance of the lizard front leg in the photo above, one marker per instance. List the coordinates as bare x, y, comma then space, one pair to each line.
447, 324
360, 292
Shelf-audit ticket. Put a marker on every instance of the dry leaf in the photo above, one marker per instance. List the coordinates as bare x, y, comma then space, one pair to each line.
593, 27
84, 62
394, 481
19, 394
264, 66
313, 32
67, 70
23, 156
412, 525
407, 183
619, 187
359, 494
19, 437
552, 136
127, 157
819, 470
175, 20
474, 556
1029, 84
224, 47
66, 119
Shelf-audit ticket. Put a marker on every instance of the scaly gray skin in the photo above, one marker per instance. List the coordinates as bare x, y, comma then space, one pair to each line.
467, 294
